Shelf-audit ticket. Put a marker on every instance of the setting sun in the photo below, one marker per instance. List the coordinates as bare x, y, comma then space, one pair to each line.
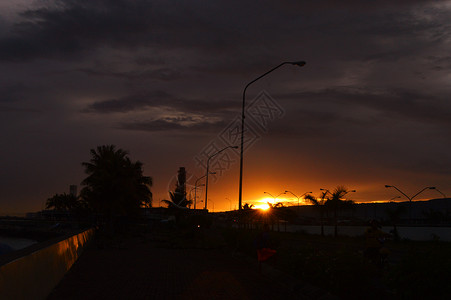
263, 203
262, 206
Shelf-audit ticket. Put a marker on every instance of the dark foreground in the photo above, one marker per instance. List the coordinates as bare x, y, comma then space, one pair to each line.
147, 267
221, 264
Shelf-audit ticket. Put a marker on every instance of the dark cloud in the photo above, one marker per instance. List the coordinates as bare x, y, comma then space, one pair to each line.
12, 92
386, 103
442, 63
165, 74
161, 99
374, 94
130, 103
73, 27
176, 125
16, 109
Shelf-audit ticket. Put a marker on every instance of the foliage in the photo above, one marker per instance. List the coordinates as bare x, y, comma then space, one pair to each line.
276, 205
177, 201
178, 197
246, 206
115, 185
318, 202
336, 201
62, 202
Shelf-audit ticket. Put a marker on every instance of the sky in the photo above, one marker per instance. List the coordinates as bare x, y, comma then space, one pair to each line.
164, 80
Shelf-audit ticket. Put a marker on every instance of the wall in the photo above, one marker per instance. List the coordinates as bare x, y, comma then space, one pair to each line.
33, 276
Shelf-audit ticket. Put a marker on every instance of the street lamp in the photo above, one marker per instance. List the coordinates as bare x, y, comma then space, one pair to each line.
274, 202
434, 188
410, 198
208, 166
325, 191
195, 192
295, 63
195, 187
299, 196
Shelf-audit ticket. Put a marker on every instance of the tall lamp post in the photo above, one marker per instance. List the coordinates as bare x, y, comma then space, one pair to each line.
434, 188
325, 191
208, 166
195, 193
240, 193
274, 202
410, 198
299, 196
195, 187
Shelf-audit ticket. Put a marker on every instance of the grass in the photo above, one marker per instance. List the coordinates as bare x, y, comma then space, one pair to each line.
417, 270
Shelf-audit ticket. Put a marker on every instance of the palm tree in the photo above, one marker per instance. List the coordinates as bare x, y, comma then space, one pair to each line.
246, 206
115, 185
247, 215
62, 202
318, 202
177, 201
178, 197
336, 201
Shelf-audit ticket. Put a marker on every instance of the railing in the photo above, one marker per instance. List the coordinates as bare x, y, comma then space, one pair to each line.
34, 275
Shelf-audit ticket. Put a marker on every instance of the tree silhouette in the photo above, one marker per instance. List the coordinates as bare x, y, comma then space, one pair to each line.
178, 197
336, 202
246, 206
318, 202
115, 186
62, 202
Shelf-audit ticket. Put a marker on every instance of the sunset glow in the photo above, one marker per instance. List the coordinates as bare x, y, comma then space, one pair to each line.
262, 206
169, 95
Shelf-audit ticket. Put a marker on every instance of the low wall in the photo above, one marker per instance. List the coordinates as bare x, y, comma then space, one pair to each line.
33, 276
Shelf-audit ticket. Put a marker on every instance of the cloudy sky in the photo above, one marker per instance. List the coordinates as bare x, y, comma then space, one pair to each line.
164, 80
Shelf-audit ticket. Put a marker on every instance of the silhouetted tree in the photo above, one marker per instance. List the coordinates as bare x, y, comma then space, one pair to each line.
336, 202
276, 205
247, 215
115, 186
62, 202
246, 206
178, 197
319, 203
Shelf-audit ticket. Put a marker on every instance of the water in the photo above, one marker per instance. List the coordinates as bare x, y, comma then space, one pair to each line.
411, 233
15, 243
